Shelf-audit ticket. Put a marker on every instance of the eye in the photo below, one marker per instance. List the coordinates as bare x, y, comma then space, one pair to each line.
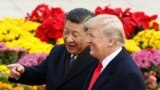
90, 35
65, 32
76, 34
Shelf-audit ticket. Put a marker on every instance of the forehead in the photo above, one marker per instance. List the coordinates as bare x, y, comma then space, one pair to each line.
73, 26
95, 30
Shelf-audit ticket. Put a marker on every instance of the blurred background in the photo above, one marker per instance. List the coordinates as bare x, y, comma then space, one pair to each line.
27, 35
19, 8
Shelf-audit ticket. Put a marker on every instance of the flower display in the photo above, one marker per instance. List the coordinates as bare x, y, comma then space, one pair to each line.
32, 44
10, 55
148, 60
18, 28
19, 41
52, 22
29, 40
2, 45
133, 22
131, 46
21, 34
32, 59
8, 86
146, 57
148, 38
4, 72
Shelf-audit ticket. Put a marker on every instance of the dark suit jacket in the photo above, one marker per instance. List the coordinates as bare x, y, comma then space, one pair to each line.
120, 74
52, 71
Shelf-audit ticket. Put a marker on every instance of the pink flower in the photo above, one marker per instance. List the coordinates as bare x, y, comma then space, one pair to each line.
32, 59
145, 74
152, 80
2, 45
153, 73
146, 57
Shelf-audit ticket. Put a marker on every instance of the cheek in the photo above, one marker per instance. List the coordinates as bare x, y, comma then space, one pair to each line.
93, 47
80, 42
94, 52
96, 47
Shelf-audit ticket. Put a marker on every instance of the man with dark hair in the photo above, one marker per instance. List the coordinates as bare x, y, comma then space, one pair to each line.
58, 71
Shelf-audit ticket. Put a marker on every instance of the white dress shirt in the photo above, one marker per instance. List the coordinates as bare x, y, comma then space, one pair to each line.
109, 58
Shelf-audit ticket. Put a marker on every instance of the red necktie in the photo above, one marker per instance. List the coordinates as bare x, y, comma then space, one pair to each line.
96, 74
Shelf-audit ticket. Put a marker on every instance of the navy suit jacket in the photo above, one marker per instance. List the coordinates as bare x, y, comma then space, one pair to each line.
52, 71
120, 74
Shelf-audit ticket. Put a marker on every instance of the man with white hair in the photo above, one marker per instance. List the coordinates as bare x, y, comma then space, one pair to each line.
116, 69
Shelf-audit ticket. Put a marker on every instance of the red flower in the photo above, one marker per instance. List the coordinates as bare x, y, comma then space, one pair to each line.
129, 26
52, 20
40, 13
98, 10
155, 26
132, 22
41, 34
142, 20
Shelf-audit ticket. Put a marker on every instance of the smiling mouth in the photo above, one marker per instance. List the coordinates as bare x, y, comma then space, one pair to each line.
71, 46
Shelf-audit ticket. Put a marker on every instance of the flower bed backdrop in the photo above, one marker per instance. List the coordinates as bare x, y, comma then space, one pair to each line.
28, 41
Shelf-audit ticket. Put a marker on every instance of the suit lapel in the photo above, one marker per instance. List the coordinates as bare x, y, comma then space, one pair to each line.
104, 77
108, 71
61, 67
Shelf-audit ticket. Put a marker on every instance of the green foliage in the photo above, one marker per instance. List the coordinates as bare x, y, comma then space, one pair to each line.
10, 56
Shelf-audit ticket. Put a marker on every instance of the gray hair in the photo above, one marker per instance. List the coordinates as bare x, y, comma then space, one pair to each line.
110, 24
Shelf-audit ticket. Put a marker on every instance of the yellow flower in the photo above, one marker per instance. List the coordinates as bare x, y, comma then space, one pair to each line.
148, 38
18, 88
131, 46
20, 33
5, 86
30, 26
60, 41
13, 29
4, 71
3, 67
34, 88
32, 44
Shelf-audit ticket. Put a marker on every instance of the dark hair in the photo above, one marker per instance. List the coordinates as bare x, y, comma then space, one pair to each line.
79, 15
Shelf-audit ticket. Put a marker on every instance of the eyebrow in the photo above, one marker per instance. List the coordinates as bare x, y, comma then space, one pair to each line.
66, 28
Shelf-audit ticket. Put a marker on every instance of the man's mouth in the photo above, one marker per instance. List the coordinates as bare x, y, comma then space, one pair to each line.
71, 46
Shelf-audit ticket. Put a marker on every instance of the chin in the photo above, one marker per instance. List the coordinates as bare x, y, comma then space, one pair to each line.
71, 51
92, 53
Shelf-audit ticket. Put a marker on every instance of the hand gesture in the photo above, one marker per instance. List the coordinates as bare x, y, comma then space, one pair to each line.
15, 70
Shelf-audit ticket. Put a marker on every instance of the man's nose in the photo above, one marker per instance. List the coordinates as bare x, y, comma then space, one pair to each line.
69, 38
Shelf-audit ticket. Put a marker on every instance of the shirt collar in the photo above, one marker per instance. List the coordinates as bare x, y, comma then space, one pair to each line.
109, 58
75, 57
